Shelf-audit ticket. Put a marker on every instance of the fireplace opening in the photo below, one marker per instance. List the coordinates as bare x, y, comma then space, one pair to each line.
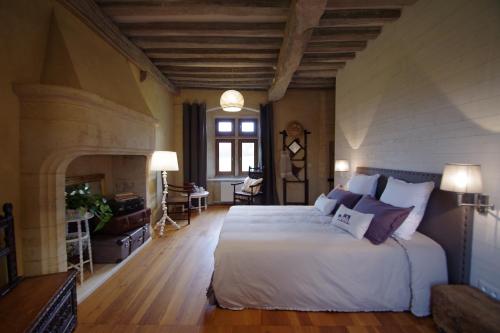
115, 222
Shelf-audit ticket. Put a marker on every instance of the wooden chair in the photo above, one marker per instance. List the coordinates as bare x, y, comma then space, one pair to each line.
246, 197
181, 198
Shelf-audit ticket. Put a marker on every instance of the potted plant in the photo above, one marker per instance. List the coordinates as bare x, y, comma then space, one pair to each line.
79, 201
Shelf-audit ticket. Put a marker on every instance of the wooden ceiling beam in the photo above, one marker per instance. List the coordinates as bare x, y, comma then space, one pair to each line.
315, 74
333, 47
367, 4
345, 34
219, 70
320, 67
179, 29
328, 57
230, 63
359, 18
216, 75
227, 81
208, 43
180, 12
303, 17
239, 54
91, 14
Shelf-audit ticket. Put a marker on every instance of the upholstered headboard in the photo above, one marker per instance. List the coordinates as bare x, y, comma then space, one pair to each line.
444, 221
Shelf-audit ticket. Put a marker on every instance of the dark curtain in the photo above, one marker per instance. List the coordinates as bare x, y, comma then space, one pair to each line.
270, 194
194, 141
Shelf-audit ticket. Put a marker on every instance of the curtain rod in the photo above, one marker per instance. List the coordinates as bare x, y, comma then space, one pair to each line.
218, 108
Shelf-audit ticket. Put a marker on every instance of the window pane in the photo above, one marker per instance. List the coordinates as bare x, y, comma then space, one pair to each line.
247, 126
225, 158
225, 126
247, 155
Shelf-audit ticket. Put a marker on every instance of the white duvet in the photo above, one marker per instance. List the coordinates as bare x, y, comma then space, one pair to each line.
290, 257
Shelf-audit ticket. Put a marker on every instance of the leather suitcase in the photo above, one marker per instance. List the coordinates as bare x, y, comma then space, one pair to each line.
126, 206
136, 238
110, 249
120, 225
147, 232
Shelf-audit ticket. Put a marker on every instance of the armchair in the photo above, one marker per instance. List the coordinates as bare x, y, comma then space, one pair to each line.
183, 199
255, 190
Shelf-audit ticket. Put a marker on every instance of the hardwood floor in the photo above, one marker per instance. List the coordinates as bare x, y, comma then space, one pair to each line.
162, 289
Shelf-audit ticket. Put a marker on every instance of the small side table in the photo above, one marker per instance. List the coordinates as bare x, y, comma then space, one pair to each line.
200, 196
80, 238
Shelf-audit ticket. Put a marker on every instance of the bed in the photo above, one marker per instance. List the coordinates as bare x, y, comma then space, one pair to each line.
292, 258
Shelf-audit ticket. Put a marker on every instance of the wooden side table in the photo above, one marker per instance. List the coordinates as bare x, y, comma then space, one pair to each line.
80, 238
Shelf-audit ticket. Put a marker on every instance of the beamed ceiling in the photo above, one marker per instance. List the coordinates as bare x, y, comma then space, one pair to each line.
219, 44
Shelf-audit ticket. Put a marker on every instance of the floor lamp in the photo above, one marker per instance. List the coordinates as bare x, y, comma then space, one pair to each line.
164, 161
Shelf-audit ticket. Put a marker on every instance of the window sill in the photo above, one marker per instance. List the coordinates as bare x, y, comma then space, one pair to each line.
226, 179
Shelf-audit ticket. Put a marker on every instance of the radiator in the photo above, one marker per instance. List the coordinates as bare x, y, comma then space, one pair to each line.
226, 192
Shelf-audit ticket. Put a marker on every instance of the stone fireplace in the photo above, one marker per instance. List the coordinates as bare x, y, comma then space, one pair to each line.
60, 125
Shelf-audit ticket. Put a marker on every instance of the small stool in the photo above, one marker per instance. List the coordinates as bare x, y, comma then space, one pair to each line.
461, 308
81, 237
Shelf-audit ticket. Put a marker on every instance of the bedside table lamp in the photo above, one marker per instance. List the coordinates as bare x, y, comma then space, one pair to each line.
164, 161
466, 179
341, 166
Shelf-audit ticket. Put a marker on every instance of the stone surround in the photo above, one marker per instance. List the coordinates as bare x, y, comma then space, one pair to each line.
59, 124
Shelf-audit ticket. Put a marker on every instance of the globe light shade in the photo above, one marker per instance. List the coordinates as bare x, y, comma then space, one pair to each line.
164, 161
462, 178
232, 101
341, 165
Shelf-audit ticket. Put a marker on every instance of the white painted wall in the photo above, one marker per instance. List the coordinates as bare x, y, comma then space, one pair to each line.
427, 92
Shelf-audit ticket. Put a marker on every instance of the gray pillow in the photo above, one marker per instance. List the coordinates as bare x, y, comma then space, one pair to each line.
387, 218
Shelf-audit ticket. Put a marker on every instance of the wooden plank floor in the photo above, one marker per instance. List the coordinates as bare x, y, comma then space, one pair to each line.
163, 289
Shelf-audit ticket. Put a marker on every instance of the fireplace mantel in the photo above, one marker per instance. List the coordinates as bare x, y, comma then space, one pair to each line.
59, 124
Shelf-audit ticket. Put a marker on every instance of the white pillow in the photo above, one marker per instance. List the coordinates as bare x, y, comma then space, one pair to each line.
402, 194
324, 204
363, 184
251, 182
353, 222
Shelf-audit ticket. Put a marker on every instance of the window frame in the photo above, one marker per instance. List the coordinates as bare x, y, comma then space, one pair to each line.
225, 134
233, 168
240, 154
253, 134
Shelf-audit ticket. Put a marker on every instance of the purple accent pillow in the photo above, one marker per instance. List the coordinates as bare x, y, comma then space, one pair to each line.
386, 220
343, 197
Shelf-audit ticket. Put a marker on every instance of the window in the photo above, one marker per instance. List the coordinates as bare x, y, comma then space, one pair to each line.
224, 127
248, 155
248, 127
230, 143
224, 159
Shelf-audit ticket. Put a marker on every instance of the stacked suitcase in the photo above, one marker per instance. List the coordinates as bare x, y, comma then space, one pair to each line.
123, 234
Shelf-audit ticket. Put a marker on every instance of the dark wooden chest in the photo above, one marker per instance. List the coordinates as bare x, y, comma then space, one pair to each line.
44, 303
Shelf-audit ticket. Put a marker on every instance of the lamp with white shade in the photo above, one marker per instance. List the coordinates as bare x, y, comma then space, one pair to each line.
341, 165
164, 161
466, 179
232, 101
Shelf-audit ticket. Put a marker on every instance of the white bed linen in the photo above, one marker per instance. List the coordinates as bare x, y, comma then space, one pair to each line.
291, 257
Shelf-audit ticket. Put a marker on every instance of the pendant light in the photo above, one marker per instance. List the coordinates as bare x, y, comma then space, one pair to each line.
232, 101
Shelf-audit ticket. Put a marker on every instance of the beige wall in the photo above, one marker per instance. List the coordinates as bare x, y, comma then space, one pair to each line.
42, 42
312, 108
427, 92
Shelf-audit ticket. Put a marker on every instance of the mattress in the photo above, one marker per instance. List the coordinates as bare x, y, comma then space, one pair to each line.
292, 258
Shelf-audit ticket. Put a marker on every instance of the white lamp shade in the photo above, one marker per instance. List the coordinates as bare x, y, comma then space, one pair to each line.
164, 161
232, 101
341, 165
462, 178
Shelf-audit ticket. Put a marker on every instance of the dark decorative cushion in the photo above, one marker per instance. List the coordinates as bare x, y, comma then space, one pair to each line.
386, 220
343, 197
